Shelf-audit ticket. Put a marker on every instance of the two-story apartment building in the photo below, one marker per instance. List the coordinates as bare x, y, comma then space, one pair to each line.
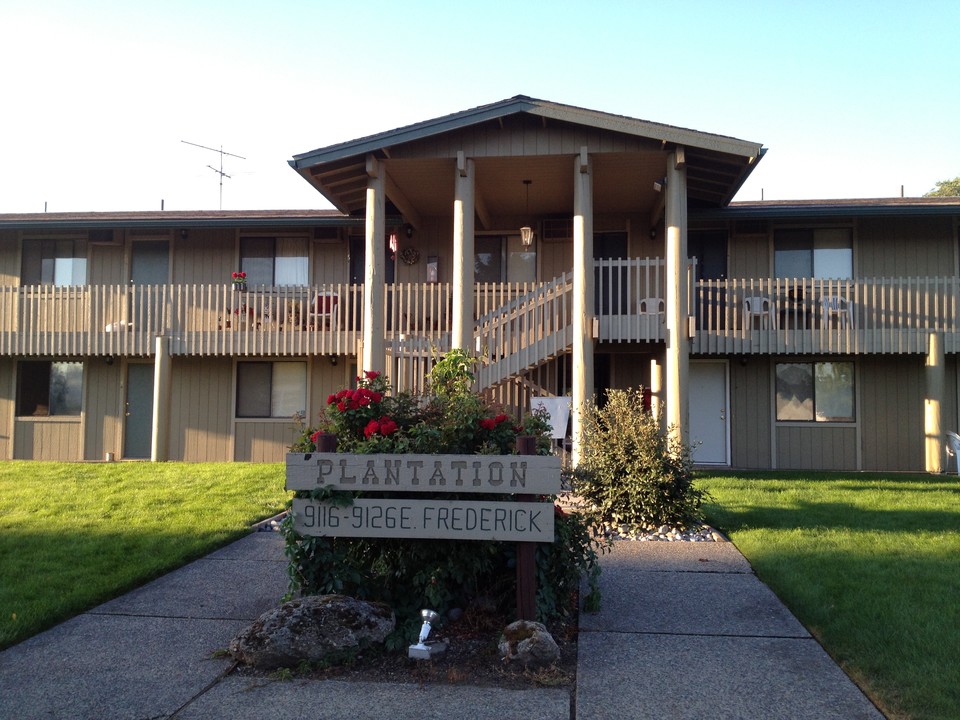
570, 250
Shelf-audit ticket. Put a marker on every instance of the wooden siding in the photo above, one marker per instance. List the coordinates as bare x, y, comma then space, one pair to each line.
750, 413
908, 246
201, 407
7, 399
816, 446
206, 256
891, 394
108, 263
104, 390
749, 256
522, 135
263, 440
9, 257
59, 439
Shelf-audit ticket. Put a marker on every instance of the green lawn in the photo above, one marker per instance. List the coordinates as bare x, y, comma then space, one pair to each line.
75, 534
870, 564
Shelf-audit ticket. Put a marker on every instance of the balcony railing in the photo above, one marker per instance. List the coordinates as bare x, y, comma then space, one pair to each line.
866, 315
875, 315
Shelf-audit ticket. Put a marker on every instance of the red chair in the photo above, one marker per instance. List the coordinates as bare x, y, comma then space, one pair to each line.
324, 310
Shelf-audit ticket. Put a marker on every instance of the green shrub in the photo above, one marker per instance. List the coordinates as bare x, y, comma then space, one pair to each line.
630, 473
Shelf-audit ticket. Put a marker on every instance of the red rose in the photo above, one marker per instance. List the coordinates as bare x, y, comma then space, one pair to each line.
331, 399
372, 374
387, 426
315, 436
243, 275
234, 276
371, 429
342, 406
487, 424
377, 397
500, 418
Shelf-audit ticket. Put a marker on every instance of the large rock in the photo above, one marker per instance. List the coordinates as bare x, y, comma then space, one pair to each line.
311, 628
529, 644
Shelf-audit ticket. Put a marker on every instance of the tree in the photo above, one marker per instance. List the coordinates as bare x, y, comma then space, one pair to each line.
945, 188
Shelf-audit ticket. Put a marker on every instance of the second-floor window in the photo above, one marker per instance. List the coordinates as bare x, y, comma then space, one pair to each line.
53, 262
503, 259
274, 261
822, 253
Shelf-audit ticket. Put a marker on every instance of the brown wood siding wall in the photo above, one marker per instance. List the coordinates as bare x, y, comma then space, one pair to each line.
891, 412
816, 447
326, 379
7, 400
433, 238
107, 264
330, 263
630, 371
104, 400
263, 441
206, 256
48, 439
905, 247
750, 413
9, 258
522, 135
201, 403
749, 257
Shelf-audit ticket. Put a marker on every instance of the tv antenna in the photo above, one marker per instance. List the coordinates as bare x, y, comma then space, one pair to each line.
219, 172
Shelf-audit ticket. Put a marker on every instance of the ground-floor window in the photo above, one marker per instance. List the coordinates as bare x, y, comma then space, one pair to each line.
271, 389
815, 392
47, 388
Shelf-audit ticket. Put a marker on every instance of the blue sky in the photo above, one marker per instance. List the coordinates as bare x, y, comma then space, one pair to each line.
852, 99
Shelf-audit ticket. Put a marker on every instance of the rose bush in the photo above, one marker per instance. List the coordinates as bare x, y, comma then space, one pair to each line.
412, 574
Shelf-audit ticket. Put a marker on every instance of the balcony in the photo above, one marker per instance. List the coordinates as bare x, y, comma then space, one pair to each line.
875, 315
807, 316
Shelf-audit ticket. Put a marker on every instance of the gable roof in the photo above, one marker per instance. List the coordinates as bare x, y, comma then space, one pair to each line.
717, 164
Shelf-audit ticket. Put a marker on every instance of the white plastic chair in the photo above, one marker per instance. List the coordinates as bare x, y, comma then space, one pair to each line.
762, 308
650, 306
836, 306
953, 449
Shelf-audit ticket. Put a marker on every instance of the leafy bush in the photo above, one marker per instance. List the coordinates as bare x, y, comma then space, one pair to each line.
412, 574
630, 472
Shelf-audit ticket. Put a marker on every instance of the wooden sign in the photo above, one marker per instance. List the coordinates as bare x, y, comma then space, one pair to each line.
440, 519
510, 474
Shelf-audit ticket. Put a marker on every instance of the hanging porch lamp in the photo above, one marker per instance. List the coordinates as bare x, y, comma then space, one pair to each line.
526, 232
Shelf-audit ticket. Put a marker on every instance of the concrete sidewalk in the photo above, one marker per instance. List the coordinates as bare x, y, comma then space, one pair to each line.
686, 631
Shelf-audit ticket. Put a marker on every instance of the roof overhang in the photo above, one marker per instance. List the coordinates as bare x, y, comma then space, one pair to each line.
861, 207
164, 220
717, 165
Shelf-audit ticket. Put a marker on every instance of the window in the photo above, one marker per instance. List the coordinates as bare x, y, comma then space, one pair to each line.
274, 261
503, 259
820, 392
54, 262
271, 389
824, 253
49, 388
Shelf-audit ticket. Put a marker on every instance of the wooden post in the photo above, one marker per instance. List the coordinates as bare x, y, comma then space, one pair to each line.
526, 551
935, 376
463, 256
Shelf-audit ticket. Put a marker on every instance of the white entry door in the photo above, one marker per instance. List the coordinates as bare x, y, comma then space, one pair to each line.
709, 419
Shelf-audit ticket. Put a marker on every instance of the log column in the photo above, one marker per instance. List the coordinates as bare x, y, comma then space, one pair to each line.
373, 355
678, 343
583, 311
160, 422
935, 377
463, 255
